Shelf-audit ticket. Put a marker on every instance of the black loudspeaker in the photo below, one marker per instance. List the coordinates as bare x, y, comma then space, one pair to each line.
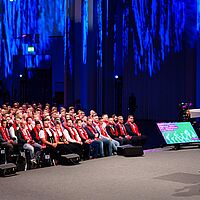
70, 159
130, 151
8, 169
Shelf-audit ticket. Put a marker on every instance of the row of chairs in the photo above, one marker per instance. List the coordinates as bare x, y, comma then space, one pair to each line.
23, 162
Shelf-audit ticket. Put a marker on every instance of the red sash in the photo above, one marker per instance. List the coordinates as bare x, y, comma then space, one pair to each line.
30, 127
5, 134
72, 133
103, 131
122, 129
53, 134
93, 131
58, 136
113, 131
82, 132
26, 134
36, 133
134, 128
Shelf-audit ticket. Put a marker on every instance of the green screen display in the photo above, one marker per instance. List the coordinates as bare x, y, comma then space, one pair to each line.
178, 132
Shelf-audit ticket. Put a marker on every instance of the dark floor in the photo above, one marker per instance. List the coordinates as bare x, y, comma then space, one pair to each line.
160, 174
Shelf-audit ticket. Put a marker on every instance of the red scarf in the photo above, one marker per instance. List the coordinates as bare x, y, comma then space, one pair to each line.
53, 133
26, 134
46, 137
72, 133
5, 134
93, 131
82, 132
134, 128
103, 131
58, 136
113, 130
36, 133
122, 129
30, 127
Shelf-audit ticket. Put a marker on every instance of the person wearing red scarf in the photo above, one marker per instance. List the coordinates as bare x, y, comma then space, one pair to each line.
26, 141
94, 135
49, 139
132, 130
105, 137
72, 136
87, 142
112, 131
29, 124
63, 146
5, 140
35, 132
122, 133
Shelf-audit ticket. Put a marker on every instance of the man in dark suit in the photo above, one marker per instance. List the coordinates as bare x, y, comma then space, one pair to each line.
132, 130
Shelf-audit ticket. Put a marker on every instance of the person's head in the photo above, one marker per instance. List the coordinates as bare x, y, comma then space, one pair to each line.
16, 105
130, 118
29, 120
17, 120
115, 118
46, 123
92, 112
100, 121
71, 110
23, 124
69, 123
111, 121
89, 121
4, 123
57, 125
38, 125
79, 122
63, 113
120, 119
84, 119
96, 118
68, 116
105, 118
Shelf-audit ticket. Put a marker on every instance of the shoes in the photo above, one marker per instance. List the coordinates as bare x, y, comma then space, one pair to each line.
33, 161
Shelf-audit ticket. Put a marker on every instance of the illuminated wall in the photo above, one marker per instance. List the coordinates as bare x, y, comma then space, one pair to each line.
29, 22
139, 35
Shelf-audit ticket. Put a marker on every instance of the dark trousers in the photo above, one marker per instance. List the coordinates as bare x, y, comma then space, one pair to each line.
138, 140
9, 150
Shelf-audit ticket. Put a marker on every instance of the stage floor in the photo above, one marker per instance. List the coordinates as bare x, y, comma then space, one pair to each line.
160, 174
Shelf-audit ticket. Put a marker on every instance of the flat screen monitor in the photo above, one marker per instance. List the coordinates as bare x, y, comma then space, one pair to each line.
178, 132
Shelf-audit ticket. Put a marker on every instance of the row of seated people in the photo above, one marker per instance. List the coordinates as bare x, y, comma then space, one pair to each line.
94, 137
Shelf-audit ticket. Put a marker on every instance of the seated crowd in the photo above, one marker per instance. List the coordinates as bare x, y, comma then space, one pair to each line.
35, 129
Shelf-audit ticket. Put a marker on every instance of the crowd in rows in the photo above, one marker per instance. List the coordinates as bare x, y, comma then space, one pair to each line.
36, 128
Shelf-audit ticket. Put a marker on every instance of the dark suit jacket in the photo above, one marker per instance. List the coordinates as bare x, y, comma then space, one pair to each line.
129, 130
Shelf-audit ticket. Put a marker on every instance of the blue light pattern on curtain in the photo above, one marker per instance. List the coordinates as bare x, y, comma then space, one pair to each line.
198, 15
32, 17
155, 38
125, 29
99, 38
85, 29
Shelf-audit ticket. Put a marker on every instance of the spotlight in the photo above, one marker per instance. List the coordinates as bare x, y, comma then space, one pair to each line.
20, 75
116, 76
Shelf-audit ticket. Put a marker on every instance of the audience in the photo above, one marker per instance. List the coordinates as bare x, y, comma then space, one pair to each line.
33, 128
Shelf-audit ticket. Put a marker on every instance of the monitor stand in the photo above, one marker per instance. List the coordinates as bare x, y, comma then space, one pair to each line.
190, 145
176, 147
